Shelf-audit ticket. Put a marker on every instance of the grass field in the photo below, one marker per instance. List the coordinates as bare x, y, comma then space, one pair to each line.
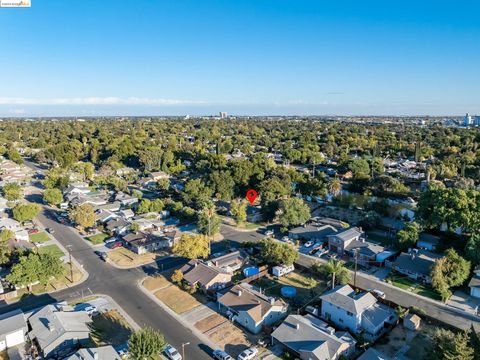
97, 239
125, 257
110, 328
39, 237
177, 299
307, 287
403, 282
51, 249
155, 283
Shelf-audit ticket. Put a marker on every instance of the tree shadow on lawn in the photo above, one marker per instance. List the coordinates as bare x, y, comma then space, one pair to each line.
109, 328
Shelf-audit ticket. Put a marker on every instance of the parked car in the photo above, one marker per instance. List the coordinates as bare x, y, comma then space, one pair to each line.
102, 255
221, 355
50, 230
309, 243
248, 354
265, 342
115, 245
111, 240
172, 353
33, 231
91, 310
285, 239
377, 293
269, 232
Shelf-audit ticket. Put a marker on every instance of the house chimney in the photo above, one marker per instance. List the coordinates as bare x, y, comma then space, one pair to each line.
272, 301
239, 293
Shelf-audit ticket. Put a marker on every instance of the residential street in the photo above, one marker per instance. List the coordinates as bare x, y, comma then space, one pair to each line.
447, 314
121, 285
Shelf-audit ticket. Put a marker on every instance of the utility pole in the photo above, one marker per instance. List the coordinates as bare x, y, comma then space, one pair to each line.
71, 265
355, 273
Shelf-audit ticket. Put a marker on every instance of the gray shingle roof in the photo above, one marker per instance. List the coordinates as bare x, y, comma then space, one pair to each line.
348, 234
12, 321
103, 353
308, 334
372, 354
344, 297
420, 263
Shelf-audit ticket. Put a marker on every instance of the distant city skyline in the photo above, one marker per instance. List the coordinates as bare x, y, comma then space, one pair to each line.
269, 57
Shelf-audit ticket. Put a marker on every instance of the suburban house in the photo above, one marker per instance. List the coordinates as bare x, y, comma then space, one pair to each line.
250, 308
373, 354
345, 240
231, 262
77, 189
13, 329
103, 216
124, 171
125, 199
117, 226
100, 353
11, 172
195, 272
152, 178
428, 242
312, 232
357, 312
370, 254
58, 329
474, 283
310, 338
416, 264
141, 242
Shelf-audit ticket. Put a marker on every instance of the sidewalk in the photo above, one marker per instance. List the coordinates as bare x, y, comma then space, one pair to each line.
179, 318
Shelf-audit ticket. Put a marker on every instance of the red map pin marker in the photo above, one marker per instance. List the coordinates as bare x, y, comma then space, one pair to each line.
251, 195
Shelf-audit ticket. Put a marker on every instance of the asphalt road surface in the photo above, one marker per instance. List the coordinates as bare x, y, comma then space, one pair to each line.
122, 286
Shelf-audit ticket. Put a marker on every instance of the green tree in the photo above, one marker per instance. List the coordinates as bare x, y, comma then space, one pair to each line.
450, 346
197, 193
408, 236
451, 270
334, 187
14, 155
163, 184
145, 344
208, 220
293, 211
335, 270
5, 235
192, 246
472, 249
359, 167
276, 253
177, 277
25, 212
35, 267
12, 191
238, 209
5, 253
53, 196
83, 215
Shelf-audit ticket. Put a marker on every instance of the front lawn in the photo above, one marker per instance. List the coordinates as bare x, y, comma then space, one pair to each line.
110, 328
97, 239
176, 299
126, 258
404, 282
39, 237
52, 250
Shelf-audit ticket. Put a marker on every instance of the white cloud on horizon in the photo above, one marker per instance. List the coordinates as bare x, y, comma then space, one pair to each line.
96, 101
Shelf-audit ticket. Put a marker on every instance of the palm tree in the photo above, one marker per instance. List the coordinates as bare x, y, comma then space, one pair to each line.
334, 187
336, 270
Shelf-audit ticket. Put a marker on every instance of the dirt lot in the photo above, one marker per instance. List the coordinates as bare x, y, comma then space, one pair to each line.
413, 345
176, 299
155, 283
124, 258
225, 334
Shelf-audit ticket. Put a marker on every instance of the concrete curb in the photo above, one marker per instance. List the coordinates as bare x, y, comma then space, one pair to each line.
179, 318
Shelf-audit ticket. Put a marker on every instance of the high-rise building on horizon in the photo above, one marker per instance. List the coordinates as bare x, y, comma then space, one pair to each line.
223, 115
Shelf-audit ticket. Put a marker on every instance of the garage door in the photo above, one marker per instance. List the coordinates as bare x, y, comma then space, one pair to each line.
15, 338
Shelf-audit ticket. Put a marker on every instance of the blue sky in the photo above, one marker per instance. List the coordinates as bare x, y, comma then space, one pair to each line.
169, 57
